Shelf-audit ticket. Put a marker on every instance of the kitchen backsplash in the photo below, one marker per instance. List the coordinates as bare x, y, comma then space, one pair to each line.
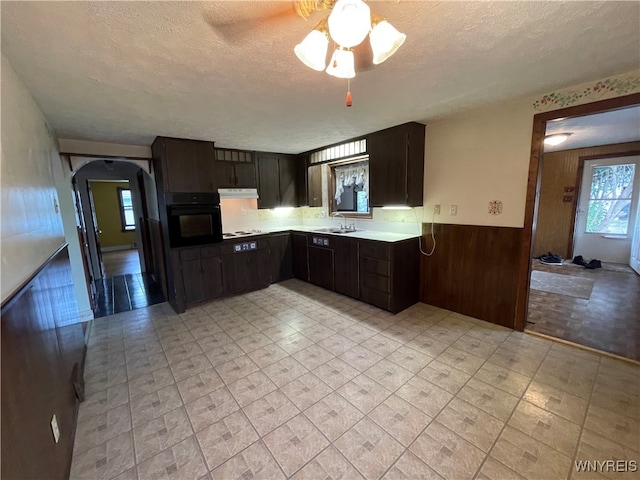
243, 214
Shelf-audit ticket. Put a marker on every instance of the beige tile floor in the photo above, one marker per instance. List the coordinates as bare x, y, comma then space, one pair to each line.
298, 382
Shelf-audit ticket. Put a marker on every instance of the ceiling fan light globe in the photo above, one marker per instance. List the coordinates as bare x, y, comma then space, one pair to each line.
385, 40
342, 64
349, 22
312, 51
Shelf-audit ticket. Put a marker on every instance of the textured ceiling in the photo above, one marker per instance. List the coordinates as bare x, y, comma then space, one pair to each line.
127, 71
606, 128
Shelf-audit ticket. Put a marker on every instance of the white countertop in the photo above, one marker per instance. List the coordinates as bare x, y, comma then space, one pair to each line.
363, 234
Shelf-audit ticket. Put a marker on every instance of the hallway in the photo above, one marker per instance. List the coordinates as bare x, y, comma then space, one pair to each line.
124, 286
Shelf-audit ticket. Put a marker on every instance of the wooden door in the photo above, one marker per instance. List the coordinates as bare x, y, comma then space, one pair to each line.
346, 266
96, 234
287, 168
321, 267
84, 246
300, 258
212, 277
245, 175
225, 175
192, 279
147, 250
315, 186
190, 165
388, 167
259, 266
268, 182
281, 259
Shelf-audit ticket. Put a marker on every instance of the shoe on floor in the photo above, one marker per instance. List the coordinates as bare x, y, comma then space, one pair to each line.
593, 264
551, 259
578, 260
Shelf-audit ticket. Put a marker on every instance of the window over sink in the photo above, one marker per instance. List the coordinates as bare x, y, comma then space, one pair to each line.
349, 188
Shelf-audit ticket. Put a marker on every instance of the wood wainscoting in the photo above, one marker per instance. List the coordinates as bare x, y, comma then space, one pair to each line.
43, 351
473, 271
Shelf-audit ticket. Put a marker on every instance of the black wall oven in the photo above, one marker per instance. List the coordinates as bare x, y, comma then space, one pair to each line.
194, 219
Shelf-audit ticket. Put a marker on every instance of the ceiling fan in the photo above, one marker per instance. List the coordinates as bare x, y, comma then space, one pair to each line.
248, 17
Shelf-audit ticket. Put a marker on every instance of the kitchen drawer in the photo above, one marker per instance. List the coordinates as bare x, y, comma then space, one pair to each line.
375, 297
379, 250
209, 252
376, 282
373, 265
190, 254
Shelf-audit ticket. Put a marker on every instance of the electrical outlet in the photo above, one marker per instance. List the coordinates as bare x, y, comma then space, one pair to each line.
436, 209
453, 210
55, 429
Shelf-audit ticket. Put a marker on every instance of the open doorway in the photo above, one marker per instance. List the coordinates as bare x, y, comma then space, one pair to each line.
582, 205
115, 208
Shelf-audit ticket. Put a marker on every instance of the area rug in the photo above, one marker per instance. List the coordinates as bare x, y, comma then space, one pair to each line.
562, 284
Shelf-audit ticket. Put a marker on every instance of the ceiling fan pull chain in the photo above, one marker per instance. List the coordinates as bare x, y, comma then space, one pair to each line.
349, 98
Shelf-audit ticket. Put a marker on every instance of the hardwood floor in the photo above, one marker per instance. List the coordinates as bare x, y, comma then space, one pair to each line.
606, 320
121, 262
124, 286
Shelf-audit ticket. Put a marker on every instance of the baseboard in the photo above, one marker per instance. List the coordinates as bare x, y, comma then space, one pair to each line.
116, 248
583, 347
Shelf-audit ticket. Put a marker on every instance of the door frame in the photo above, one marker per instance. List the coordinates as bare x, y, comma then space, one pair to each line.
533, 187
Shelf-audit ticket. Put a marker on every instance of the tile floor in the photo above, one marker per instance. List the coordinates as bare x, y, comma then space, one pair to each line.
297, 382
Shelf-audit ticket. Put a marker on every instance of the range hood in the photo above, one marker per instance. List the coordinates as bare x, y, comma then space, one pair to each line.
238, 193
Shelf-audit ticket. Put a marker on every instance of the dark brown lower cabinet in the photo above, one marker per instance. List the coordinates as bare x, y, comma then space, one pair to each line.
280, 256
300, 257
199, 275
345, 258
389, 273
244, 268
321, 267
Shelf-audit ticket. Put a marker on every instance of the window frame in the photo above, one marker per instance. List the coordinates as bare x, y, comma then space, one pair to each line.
591, 200
121, 208
332, 188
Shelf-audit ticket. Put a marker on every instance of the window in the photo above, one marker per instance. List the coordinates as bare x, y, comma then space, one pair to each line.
126, 209
610, 199
350, 188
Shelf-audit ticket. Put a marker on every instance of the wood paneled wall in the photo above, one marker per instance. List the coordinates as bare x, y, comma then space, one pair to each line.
42, 354
473, 271
554, 227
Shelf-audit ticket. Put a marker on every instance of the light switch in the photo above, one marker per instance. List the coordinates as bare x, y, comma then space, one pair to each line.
453, 210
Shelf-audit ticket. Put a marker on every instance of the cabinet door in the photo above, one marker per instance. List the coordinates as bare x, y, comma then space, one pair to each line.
225, 175
259, 269
268, 182
301, 180
388, 167
345, 252
192, 279
281, 257
190, 165
287, 168
245, 175
299, 247
321, 267
212, 277
315, 186
235, 271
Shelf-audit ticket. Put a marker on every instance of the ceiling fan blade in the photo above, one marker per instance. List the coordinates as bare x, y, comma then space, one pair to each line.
239, 26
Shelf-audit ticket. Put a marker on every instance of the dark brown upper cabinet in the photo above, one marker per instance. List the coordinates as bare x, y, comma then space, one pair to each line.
183, 165
396, 165
235, 168
315, 186
278, 179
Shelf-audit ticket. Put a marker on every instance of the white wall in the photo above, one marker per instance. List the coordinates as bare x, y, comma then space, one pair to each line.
476, 158
30, 226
